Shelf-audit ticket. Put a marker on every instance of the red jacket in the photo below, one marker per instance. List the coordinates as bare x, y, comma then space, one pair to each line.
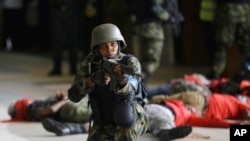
185, 116
223, 106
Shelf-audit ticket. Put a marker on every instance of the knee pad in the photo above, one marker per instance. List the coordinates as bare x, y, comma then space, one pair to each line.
124, 114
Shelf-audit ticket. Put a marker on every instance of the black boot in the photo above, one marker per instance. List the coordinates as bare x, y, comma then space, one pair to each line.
62, 129
174, 133
57, 68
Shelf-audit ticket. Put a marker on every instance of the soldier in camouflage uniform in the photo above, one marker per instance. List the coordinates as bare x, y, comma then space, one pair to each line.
232, 25
150, 17
117, 115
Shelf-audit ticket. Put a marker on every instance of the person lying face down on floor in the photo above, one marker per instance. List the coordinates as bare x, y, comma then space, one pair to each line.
28, 109
160, 126
53, 108
191, 82
62, 117
218, 107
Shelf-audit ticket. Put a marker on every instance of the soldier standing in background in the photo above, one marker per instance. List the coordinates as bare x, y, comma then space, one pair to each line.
150, 17
232, 24
64, 31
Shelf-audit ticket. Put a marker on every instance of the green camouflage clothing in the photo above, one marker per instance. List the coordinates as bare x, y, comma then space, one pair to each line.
151, 41
115, 133
76, 112
232, 24
111, 131
84, 72
151, 37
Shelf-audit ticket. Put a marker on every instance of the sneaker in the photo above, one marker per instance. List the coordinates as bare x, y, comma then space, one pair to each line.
53, 126
175, 133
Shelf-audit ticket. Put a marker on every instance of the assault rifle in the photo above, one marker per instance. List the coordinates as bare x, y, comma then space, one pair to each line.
109, 66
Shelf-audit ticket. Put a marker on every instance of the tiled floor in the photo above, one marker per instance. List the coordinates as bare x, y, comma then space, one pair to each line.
24, 75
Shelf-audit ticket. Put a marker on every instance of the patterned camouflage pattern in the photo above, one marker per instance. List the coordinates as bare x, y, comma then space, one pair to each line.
232, 24
84, 72
151, 41
76, 112
151, 37
116, 133
112, 132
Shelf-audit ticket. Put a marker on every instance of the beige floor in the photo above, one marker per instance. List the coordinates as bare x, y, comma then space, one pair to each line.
24, 75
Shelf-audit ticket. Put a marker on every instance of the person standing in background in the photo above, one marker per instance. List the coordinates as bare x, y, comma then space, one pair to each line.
44, 30
64, 31
31, 26
207, 15
92, 16
232, 24
150, 17
14, 24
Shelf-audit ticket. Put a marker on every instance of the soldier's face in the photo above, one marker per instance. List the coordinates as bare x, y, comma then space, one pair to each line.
109, 49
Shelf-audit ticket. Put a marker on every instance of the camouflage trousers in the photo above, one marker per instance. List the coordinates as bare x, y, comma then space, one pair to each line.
232, 25
115, 133
75, 112
151, 42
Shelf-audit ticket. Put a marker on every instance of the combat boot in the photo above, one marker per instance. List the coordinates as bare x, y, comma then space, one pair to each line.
57, 68
62, 129
174, 133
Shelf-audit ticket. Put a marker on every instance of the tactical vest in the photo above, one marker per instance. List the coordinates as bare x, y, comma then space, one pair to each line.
102, 100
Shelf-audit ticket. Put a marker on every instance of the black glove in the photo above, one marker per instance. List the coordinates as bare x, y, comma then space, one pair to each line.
121, 79
99, 77
74, 95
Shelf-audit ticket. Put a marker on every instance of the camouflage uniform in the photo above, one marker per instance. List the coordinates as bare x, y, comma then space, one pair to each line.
115, 133
117, 113
232, 24
150, 18
151, 41
111, 131
75, 112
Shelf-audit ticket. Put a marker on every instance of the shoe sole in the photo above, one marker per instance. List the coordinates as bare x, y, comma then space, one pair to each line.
180, 132
48, 125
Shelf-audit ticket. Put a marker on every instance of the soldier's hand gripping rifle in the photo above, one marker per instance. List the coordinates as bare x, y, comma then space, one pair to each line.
109, 66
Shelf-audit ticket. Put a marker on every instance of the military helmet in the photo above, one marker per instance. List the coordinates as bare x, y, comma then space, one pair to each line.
105, 33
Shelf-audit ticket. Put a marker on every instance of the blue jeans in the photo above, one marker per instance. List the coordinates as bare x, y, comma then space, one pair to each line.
160, 90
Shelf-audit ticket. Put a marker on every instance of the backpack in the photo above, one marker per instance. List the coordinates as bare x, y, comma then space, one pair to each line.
142, 91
